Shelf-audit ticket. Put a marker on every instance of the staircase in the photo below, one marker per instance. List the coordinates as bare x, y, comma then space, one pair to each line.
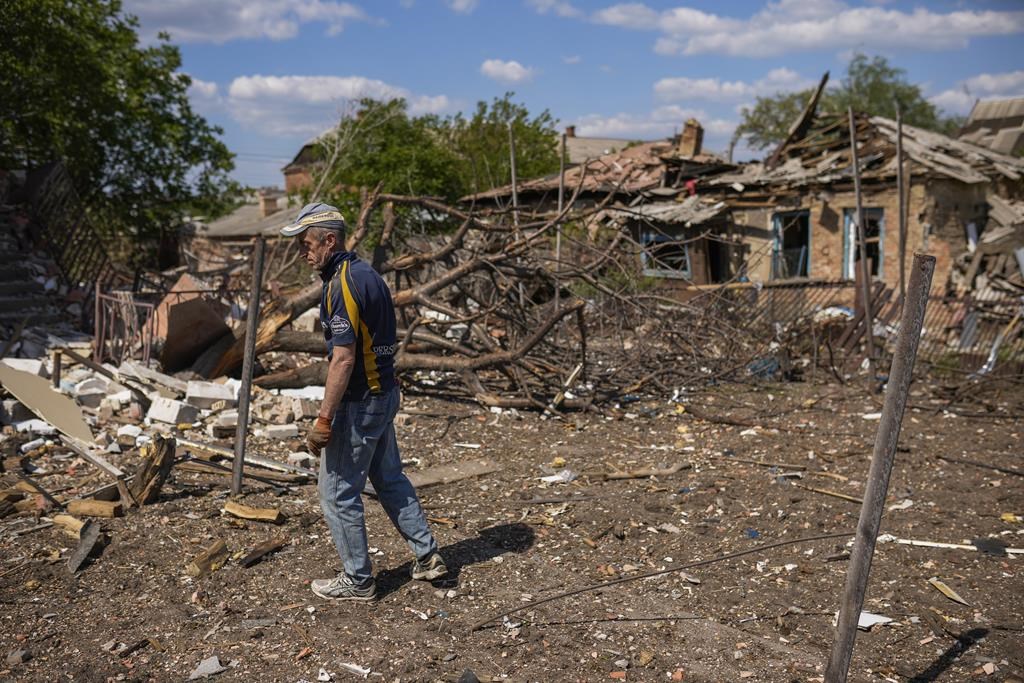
30, 290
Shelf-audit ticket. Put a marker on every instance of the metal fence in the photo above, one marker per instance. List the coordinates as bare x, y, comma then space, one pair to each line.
970, 333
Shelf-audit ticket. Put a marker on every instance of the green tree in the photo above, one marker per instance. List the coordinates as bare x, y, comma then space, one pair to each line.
79, 87
482, 144
871, 85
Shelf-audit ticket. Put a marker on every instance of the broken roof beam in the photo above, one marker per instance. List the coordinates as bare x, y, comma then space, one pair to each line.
801, 125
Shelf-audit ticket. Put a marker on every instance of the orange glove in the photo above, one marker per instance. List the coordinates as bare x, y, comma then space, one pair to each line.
318, 436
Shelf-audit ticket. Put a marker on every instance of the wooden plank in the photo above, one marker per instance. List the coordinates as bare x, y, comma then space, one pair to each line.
262, 550
271, 515
446, 474
210, 560
158, 458
95, 508
89, 537
72, 526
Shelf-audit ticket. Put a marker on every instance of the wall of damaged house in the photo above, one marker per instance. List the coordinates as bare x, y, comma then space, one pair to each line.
939, 212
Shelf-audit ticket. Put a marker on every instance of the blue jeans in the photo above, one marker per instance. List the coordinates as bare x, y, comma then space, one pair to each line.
363, 445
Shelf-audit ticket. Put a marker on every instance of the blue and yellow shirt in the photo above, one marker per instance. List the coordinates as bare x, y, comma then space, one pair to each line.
356, 308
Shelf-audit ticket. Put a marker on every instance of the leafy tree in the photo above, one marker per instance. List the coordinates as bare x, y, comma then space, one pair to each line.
870, 85
79, 87
482, 143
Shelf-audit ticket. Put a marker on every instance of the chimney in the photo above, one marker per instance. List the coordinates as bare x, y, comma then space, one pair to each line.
268, 204
570, 131
691, 140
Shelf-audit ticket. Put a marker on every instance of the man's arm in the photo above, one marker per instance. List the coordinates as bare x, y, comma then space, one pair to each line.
343, 359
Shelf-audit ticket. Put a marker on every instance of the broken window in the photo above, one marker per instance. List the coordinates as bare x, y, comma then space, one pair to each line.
664, 255
874, 236
791, 253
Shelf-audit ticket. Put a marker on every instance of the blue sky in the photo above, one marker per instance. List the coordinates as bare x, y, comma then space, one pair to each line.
274, 73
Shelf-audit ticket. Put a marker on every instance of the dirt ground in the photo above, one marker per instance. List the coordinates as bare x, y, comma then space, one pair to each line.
763, 617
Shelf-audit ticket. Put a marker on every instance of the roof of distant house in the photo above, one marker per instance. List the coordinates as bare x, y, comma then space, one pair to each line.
997, 125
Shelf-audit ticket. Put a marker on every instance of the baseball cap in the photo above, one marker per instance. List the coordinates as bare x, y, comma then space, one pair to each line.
318, 214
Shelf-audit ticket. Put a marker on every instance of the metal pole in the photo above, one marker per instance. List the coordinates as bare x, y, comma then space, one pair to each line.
901, 189
55, 375
865, 275
251, 321
896, 392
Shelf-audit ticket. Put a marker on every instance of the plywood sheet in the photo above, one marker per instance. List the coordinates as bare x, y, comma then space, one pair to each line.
51, 406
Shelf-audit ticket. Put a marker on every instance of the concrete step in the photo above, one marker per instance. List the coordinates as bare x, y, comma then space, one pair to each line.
35, 317
27, 286
27, 302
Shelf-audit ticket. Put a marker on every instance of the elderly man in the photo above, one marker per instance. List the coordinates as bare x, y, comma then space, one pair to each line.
355, 425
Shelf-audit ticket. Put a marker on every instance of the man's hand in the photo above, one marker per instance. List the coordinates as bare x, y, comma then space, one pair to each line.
318, 436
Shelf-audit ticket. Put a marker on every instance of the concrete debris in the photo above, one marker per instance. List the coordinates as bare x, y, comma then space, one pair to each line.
29, 365
204, 395
304, 408
170, 411
301, 459
210, 666
288, 431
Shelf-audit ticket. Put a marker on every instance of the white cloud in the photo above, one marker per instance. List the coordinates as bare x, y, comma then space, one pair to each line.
219, 21
572, 59
506, 72
797, 25
201, 89
960, 99
717, 90
629, 15
462, 6
559, 8
659, 123
306, 105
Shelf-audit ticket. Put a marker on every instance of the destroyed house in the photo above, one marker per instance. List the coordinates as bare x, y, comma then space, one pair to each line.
792, 216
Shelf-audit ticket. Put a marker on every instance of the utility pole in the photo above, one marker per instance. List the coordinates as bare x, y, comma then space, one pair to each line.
244, 392
865, 274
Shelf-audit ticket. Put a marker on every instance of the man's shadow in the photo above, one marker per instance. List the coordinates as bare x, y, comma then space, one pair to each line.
489, 544
963, 643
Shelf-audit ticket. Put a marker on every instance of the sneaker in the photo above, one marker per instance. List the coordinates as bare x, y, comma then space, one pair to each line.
342, 587
429, 569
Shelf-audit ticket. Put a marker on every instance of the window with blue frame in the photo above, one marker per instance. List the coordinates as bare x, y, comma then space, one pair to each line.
791, 251
664, 255
874, 241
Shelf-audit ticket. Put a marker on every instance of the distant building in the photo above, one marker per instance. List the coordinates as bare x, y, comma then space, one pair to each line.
997, 125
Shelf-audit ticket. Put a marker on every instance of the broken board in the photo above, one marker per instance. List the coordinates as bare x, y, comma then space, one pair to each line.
51, 406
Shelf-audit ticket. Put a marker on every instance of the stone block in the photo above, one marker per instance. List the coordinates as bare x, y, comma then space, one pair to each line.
172, 412
204, 395
33, 366
288, 431
301, 459
304, 408
308, 321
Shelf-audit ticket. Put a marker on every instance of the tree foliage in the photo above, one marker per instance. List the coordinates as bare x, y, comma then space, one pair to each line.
380, 142
870, 85
79, 87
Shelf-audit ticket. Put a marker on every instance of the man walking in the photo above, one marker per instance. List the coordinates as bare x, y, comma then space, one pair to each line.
355, 426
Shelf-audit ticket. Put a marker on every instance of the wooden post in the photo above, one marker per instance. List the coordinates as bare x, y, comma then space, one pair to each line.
865, 274
896, 392
245, 391
558, 230
901, 189
55, 375
515, 191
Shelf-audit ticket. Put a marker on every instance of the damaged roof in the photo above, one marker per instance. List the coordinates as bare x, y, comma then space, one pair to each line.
628, 171
822, 156
691, 211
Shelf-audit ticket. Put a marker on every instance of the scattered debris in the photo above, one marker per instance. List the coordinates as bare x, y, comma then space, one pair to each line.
210, 666
947, 591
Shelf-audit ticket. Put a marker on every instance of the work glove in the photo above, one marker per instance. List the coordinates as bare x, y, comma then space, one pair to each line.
318, 436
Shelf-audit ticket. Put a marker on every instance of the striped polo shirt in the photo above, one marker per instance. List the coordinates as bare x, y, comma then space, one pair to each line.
356, 308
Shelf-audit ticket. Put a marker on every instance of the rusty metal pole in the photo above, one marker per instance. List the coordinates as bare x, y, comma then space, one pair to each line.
251, 322
865, 275
896, 393
57, 362
901, 190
